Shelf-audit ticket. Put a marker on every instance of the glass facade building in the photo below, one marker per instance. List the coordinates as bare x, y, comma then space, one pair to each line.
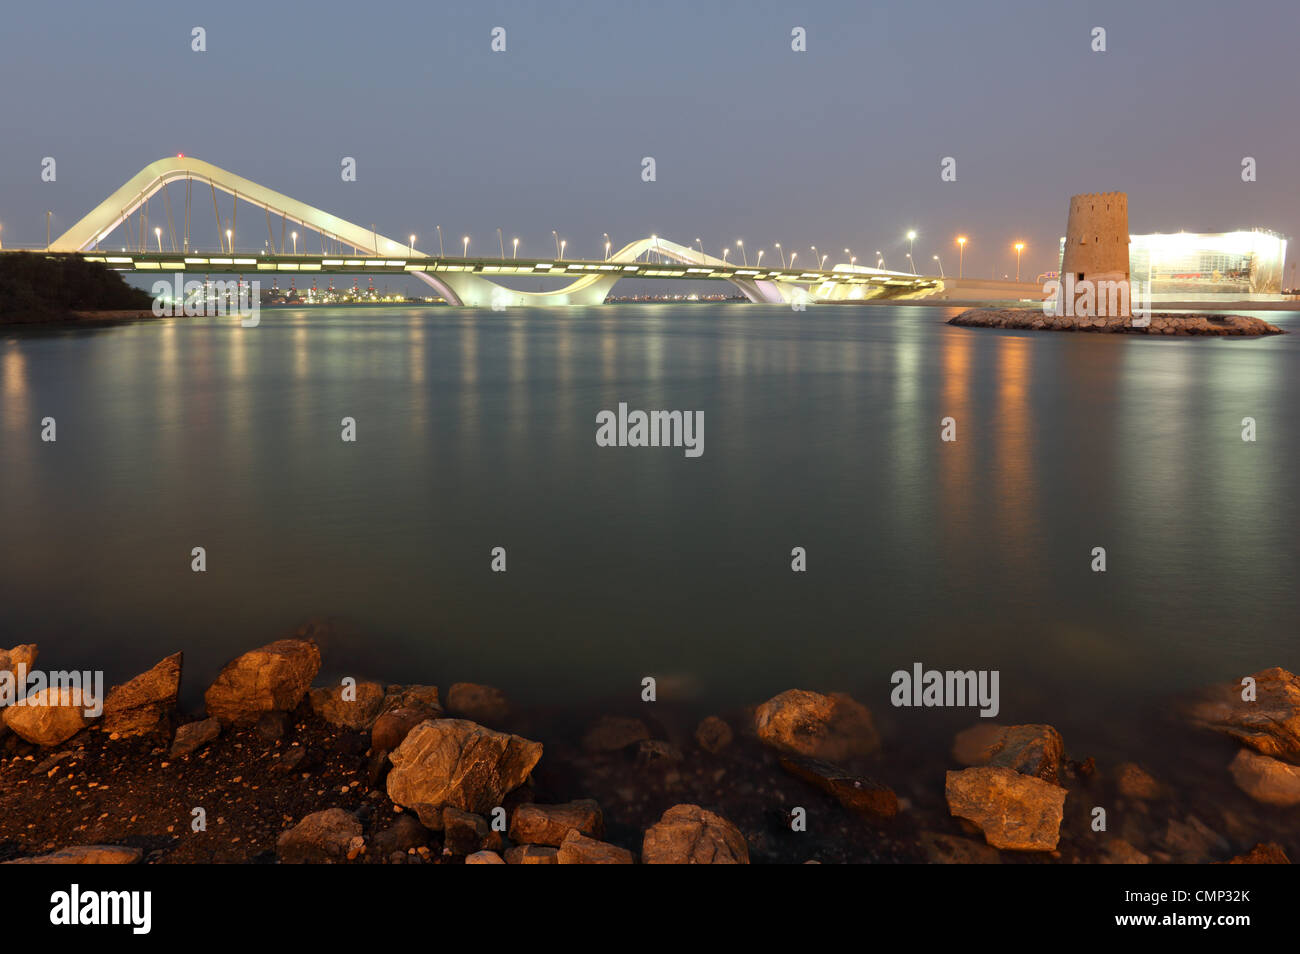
1214, 263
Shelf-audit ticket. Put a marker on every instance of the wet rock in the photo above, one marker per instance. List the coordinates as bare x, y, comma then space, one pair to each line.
1015, 811
85, 855
691, 835
611, 733
21, 655
483, 704
833, 727
713, 734
549, 824
194, 735
1266, 780
404, 834
1133, 782
484, 858
145, 704
942, 849
1030, 750
657, 752
976, 745
855, 792
459, 763
49, 716
348, 706
578, 849
463, 833
391, 728
1270, 725
1264, 853
320, 838
532, 855
274, 677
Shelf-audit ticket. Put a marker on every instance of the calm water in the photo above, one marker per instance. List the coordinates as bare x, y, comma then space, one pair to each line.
476, 430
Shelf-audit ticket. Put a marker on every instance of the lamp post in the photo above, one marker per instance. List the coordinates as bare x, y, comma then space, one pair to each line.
823, 261
410, 249
793, 256
759, 263
911, 239
441, 253
940, 261
464, 247
961, 255
701, 245
782, 251
514, 251
724, 255
501, 242
295, 241
563, 242
607, 244
880, 259
814, 251
157, 234
556, 235
744, 256
230, 241
1020, 247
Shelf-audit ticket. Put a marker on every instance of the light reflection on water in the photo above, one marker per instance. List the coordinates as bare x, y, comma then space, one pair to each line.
821, 430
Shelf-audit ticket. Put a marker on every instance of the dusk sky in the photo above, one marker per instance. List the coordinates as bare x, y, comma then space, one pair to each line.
839, 146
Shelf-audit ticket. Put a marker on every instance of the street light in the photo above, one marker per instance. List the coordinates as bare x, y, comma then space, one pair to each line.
793, 256
814, 251
782, 251
880, 259
607, 243
556, 235
501, 242
961, 259
410, 249
157, 233
295, 240
230, 242
441, 254
940, 261
911, 238
848, 253
563, 242
701, 245
724, 255
823, 261
464, 249
743, 255
759, 263
514, 252
1020, 247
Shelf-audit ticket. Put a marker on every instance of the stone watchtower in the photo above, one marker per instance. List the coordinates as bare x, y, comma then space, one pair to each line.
1096, 241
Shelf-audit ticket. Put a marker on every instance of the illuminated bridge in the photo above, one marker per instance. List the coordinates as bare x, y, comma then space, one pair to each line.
350, 248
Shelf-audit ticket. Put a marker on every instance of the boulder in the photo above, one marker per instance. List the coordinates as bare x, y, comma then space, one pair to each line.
21, 655
424, 698
49, 716
274, 677
1266, 780
691, 835
1270, 724
402, 835
484, 858
1269, 853
1030, 750
145, 704
482, 704
549, 824
713, 734
855, 792
194, 735
976, 745
833, 727
463, 833
532, 855
348, 706
393, 726
1015, 811
611, 733
459, 763
578, 849
1133, 782
320, 838
85, 855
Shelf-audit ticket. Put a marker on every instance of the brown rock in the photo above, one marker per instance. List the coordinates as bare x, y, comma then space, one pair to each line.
1031, 750
424, 698
85, 855
1266, 780
483, 704
459, 763
1270, 725
402, 835
855, 792
193, 736
1133, 782
1121, 852
49, 716
691, 835
22, 655
549, 824
976, 745
273, 677
1015, 811
484, 858
713, 735
611, 733
941, 849
532, 855
463, 833
833, 727
393, 726
657, 752
320, 838
348, 706
578, 849
146, 703
1269, 853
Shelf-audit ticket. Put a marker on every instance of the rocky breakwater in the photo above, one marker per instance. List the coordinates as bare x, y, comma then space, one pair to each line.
1035, 319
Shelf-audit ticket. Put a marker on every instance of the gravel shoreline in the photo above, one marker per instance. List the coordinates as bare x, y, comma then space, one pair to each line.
1034, 319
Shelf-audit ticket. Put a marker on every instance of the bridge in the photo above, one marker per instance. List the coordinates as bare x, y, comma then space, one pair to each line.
472, 281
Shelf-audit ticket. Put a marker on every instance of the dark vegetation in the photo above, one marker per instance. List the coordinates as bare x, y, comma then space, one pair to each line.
42, 286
